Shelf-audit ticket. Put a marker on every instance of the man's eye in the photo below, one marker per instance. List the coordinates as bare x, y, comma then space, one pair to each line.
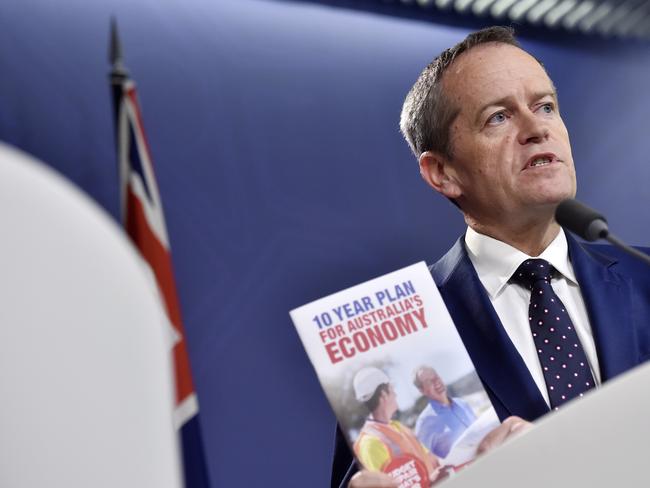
547, 108
497, 118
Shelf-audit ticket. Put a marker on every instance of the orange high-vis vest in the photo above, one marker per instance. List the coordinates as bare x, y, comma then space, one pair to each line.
398, 440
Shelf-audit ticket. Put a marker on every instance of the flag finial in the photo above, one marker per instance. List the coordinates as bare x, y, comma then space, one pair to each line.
115, 52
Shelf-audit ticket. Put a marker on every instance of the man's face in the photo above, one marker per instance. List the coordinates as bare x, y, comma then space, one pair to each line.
511, 151
432, 385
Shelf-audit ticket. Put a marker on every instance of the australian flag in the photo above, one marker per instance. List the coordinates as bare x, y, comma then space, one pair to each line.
142, 215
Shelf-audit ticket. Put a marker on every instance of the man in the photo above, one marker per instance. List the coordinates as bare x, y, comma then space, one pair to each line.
444, 419
483, 121
381, 438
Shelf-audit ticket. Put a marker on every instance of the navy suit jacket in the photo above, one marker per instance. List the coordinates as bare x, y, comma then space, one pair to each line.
616, 291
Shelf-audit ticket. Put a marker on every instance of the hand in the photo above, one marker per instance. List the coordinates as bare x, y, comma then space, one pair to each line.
509, 428
371, 479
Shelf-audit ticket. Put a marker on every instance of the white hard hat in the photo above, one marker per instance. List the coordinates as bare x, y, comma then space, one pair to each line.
366, 381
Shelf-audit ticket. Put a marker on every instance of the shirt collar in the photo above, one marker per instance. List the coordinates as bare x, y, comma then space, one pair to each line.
439, 407
496, 261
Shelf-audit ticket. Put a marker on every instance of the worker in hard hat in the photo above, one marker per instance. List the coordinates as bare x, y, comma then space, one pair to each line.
382, 439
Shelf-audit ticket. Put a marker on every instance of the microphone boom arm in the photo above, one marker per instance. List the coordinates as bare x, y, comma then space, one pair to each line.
628, 249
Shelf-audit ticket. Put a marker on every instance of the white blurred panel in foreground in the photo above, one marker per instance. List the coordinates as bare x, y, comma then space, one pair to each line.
85, 377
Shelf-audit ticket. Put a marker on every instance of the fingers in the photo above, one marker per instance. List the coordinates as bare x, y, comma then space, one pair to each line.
368, 479
517, 425
510, 427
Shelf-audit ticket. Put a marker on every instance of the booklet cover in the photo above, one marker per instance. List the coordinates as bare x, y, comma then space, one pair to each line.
397, 375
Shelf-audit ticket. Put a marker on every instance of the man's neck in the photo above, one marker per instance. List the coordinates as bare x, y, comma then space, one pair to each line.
382, 415
530, 238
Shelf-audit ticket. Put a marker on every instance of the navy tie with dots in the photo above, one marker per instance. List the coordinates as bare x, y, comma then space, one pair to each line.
563, 360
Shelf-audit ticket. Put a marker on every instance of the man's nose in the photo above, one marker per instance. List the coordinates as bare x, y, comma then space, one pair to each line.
532, 129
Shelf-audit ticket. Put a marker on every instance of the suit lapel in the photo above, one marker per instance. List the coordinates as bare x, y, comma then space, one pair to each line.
608, 298
499, 365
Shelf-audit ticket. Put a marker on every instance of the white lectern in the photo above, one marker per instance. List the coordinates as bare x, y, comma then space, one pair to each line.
85, 377
598, 441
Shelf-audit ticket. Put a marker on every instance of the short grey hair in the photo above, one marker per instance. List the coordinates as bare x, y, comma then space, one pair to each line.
427, 113
416, 375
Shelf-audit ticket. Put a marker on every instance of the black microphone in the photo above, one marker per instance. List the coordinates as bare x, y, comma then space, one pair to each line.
581, 220
590, 225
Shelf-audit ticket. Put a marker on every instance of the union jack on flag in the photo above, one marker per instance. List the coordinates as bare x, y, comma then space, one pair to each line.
144, 222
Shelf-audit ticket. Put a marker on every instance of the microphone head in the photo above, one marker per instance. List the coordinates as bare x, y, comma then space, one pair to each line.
581, 220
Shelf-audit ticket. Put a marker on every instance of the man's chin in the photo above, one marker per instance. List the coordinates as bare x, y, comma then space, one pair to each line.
551, 199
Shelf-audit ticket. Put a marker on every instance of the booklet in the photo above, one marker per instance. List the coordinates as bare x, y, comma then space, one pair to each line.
397, 376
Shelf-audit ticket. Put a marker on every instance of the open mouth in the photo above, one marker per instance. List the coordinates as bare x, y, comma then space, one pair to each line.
540, 160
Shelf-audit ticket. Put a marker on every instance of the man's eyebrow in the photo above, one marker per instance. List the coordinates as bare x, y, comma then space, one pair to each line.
491, 103
552, 94
504, 100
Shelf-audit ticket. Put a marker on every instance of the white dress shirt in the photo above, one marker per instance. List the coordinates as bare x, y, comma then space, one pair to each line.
495, 262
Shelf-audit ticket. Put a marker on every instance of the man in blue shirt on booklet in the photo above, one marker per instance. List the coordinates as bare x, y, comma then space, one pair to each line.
544, 318
444, 419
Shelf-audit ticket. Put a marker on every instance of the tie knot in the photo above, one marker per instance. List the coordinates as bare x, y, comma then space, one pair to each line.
533, 270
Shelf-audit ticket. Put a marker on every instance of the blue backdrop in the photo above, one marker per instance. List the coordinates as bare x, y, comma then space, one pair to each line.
273, 128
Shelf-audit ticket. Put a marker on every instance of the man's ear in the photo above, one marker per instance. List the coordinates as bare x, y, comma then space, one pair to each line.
437, 172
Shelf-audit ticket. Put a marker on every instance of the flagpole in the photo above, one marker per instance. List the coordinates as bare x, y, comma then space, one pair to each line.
144, 222
118, 77
115, 52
